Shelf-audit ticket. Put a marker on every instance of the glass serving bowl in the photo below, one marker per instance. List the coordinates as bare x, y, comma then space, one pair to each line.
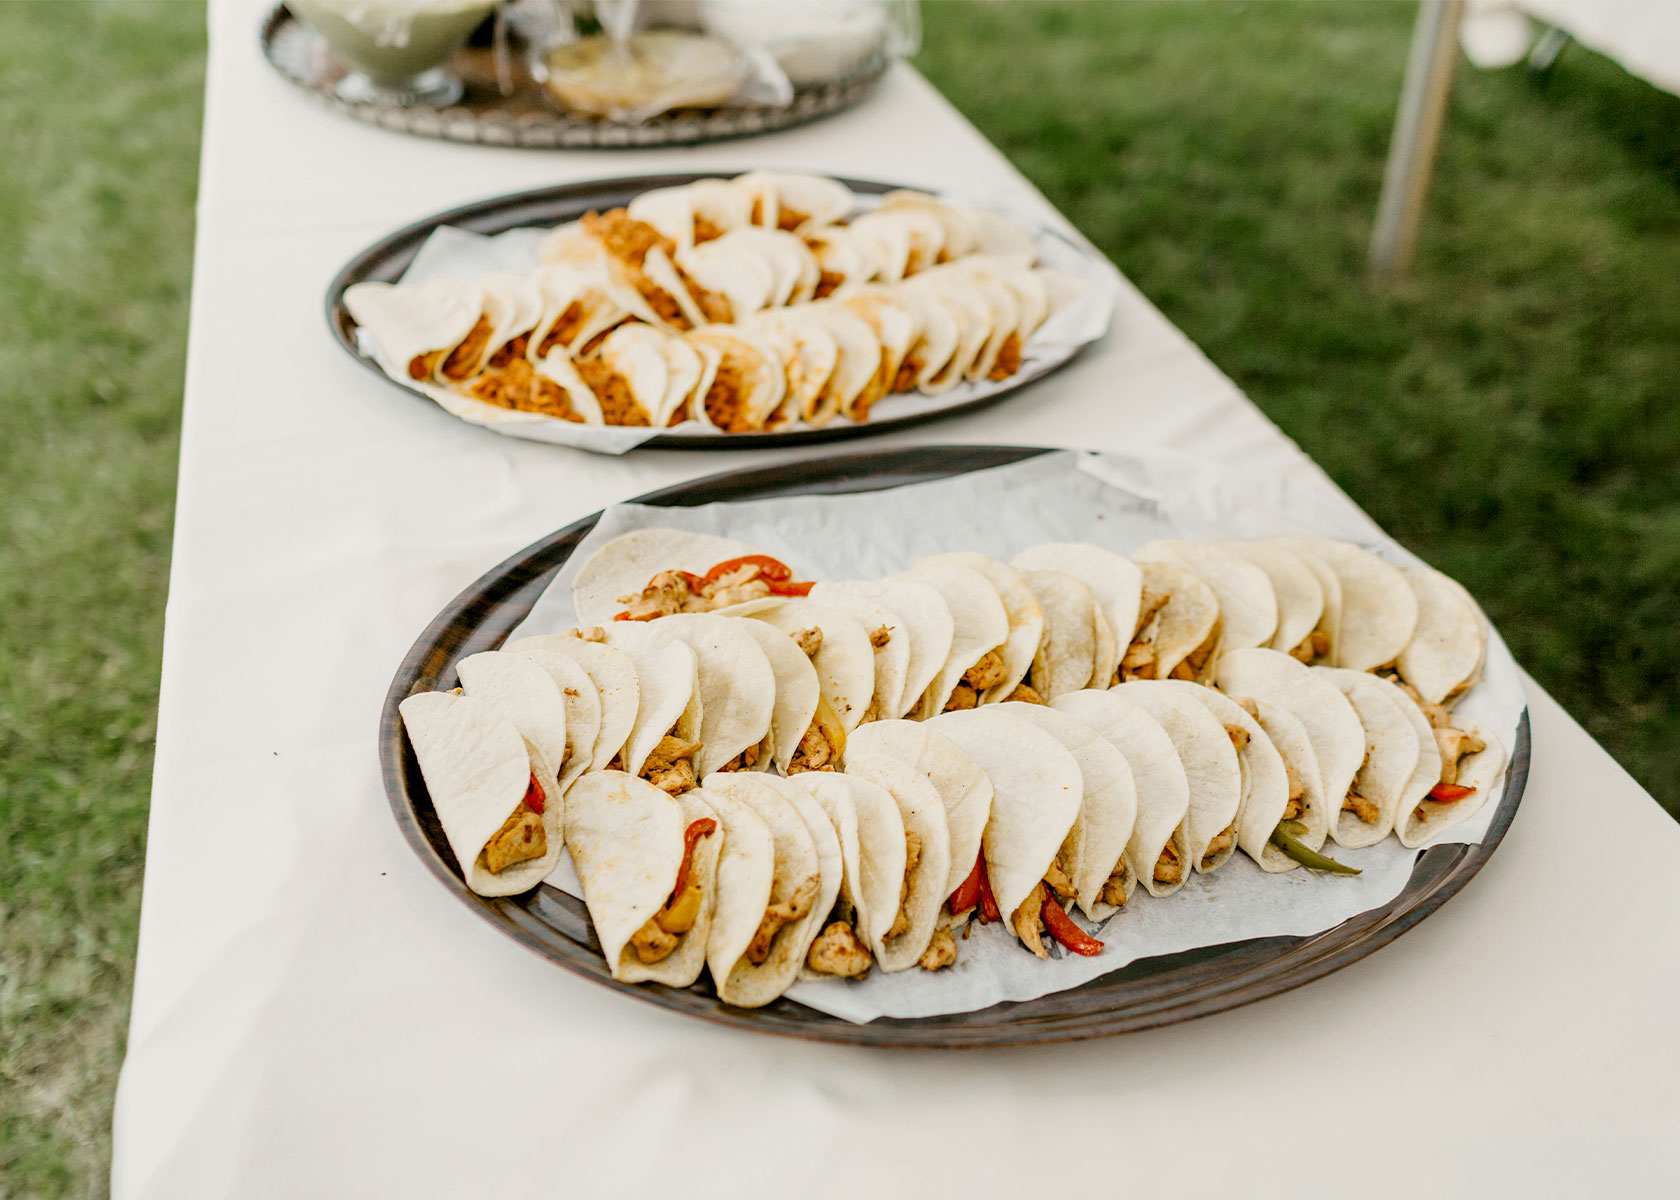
396, 48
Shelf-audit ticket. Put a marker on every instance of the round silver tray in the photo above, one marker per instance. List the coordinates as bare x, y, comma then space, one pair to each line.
528, 117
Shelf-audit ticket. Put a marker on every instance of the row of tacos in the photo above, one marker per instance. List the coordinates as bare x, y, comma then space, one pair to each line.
570, 342
769, 777
740, 304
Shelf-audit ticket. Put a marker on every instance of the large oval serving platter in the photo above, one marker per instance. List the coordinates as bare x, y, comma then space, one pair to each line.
386, 260
1144, 994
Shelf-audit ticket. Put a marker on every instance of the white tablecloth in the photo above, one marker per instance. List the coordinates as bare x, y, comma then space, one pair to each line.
314, 1016
1642, 35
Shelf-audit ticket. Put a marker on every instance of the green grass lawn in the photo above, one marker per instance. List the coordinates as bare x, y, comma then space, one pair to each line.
1511, 412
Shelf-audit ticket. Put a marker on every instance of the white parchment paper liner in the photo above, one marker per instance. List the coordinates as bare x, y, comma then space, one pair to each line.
1118, 501
462, 254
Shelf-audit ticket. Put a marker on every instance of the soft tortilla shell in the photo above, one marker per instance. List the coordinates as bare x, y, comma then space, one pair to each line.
830, 857
1210, 761
1107, 810
797, 690
1379, 612
923, 813
1026, 619
737, 685
627, 843
1391, 753
979, 624
1265, 782
1066, 656
1115, 581
925, 624
871, 832
613, 675
963, 787
740, 982
526, 695
666, 681
582, 702
1163, 789
1247, 605
1481, 770
1447, 647
1036, 789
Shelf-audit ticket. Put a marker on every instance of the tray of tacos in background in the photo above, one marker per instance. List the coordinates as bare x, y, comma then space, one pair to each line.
708, 311
1135, 749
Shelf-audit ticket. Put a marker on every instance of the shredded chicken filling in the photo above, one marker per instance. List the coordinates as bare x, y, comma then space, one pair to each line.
1027, 922
1364, 809
988, 671
745, 760
1220, 843
1024, 695
1169, 868
1297, 789
1312, 647
1139, 660
1191, 667
912, 859
564, 329
421, 366
521, 387
1008, 359
670, 767
520, 839
1114, 888
815, 753
908, 372
513, 348
880, 636
464, 359
673, 592
941, 951
808, 640
827, 283
779, 915
838, 950
726, 400
612, 390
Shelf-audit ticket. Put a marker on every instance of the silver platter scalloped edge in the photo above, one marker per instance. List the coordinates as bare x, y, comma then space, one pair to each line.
300, 55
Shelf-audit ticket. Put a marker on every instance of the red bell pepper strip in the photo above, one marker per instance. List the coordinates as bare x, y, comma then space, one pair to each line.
988, 902
769, 569
534, 798
1446, 793
967, 894
777, 575
1063, 929
691, 836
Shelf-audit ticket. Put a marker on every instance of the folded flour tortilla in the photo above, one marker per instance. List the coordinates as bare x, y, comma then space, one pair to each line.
478, 771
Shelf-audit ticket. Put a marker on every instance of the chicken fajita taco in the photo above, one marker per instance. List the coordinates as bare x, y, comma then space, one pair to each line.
648, 865
487, 787
1156, 851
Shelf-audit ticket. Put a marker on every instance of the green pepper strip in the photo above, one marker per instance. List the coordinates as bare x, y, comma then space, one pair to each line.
1310, 859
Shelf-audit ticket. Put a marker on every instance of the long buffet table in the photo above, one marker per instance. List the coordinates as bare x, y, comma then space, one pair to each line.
313, 1015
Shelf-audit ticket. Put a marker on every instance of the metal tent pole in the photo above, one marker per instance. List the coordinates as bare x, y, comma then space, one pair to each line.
1417, 134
